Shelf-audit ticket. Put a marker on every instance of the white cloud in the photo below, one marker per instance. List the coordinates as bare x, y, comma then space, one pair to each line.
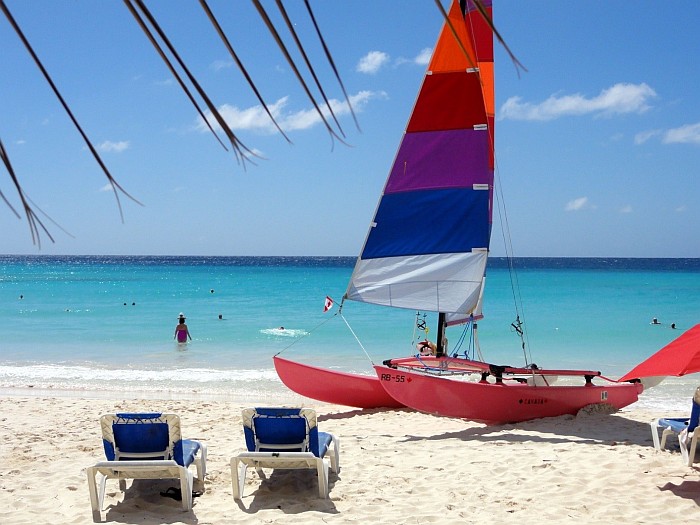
626, 209
424, 56
106, 187
118, 147
218, 65
643, 136
256, 119
372, 62
577, 204
618, 99
681, 209
689, 134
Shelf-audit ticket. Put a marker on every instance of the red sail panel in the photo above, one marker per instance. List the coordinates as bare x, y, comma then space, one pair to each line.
461, 89
481, 32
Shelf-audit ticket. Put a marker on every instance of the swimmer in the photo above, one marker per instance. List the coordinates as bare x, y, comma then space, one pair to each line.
655, 321
181, 330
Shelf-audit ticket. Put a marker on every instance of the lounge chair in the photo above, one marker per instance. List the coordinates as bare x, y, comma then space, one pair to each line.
145, 446
284, 438
687, 430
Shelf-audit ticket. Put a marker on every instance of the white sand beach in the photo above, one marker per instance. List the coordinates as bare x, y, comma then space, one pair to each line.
397, 466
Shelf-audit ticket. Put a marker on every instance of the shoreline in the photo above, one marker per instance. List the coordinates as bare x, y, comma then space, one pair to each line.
286, 398
673, 394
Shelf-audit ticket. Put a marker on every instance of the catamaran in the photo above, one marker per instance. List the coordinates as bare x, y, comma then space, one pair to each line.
427, 250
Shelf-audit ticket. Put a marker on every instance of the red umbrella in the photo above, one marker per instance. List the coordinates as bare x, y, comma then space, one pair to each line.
679, 357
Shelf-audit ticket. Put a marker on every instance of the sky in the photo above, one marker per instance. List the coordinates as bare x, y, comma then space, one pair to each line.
597, 141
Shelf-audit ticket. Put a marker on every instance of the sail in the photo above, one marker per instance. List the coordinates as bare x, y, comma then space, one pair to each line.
428, 243
680, 357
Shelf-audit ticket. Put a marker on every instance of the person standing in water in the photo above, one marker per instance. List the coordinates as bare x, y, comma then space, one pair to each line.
181, 330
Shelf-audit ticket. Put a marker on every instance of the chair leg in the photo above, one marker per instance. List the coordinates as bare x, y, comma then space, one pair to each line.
322, 470
655, 434
335, 458
238, 472
684, 447
201, 462
693, 445
664, 435
95, 499
101, 493
186, 481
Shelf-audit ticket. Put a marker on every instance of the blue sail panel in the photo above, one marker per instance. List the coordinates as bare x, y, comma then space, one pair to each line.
429, 222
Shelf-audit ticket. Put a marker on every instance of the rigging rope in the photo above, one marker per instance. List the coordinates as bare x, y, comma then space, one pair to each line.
508, 245
338, 313
355, 336
307, 334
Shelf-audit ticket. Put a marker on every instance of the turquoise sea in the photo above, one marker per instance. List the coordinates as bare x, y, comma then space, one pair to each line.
77, 324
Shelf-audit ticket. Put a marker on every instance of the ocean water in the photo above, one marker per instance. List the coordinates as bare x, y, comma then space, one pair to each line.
99, 324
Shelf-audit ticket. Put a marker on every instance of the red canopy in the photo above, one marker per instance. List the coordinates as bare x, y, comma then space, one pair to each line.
679, 357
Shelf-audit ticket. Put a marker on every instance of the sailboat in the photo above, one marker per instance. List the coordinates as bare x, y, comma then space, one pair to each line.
428, 244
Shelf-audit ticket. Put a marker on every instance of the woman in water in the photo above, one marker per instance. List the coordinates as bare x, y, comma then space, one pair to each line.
181, 330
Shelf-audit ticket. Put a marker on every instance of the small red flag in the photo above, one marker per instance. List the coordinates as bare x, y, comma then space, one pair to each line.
328, 304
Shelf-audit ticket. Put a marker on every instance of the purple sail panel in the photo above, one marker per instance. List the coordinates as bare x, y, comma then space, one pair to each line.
441, 159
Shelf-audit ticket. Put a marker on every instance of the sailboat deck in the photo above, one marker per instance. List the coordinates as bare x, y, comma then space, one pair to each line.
458, 366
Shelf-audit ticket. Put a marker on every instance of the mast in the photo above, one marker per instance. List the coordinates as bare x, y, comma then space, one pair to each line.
441, 339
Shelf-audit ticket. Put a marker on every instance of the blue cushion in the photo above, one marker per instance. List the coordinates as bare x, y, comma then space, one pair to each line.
694, 417
149, 437
143, 436
324, 441
284, 426
185, 451
280, 430
138, 415
677, 424
277, 412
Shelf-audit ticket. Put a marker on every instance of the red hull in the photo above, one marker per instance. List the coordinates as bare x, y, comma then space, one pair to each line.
332, 386
498, 403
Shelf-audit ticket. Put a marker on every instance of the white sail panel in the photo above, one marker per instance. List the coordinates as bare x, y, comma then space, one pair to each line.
452, 319
449, 283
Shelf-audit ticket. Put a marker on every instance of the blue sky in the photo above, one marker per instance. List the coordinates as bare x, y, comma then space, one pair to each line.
597, 144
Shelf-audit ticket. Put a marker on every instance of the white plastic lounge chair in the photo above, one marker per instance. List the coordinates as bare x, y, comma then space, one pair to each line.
145, 446
687, 430
284, 438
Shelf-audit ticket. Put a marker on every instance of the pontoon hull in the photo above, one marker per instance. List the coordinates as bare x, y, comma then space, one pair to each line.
498, 403
331, 386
